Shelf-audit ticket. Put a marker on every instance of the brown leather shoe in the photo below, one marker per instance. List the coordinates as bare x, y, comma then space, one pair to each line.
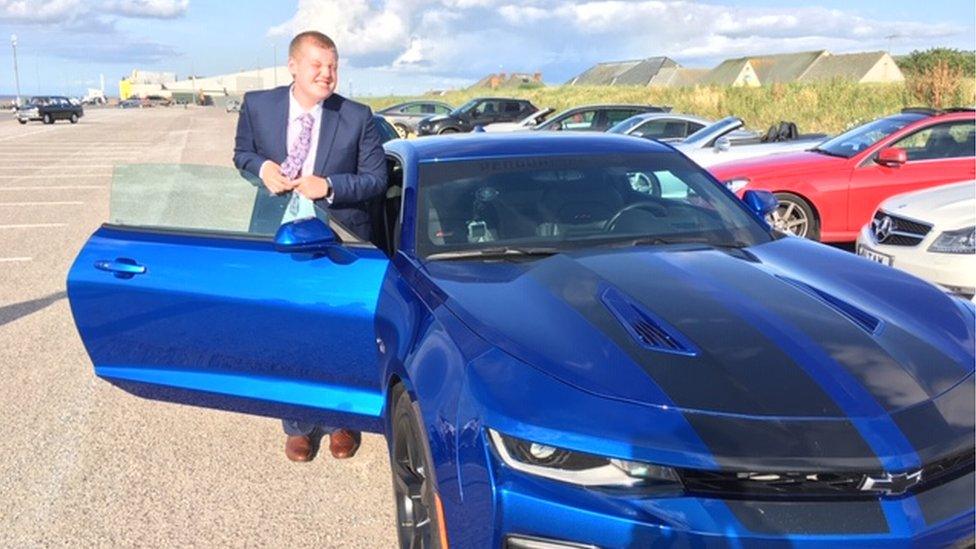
298, 448
343, 443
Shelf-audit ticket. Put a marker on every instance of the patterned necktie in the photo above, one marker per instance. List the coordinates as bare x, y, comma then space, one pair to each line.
292, 166
298, 206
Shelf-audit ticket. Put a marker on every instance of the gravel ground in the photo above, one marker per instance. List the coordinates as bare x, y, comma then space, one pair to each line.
84, 464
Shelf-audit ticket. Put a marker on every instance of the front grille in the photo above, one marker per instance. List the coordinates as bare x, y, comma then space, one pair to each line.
826, 485
900, 232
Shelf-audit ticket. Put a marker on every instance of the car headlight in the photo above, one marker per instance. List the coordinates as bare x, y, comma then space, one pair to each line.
581, 468
962, 241
736, 185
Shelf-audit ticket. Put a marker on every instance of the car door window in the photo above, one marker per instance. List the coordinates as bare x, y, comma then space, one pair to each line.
414, 109
616, 116
661, 129
486, 109
441, 109
200, 199
579, 121
947, 140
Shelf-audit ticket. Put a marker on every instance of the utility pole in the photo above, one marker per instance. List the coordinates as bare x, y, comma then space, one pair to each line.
13, 44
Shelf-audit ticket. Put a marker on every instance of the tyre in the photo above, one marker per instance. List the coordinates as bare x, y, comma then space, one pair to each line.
401, 130
446, 131
22, 121
74, 118
48, 119
418, 508
795, 216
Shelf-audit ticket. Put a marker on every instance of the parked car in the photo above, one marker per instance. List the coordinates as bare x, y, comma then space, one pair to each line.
663, 126
525, 124
232, 105
728, 140
558, 354
594, 118
829, 192
477, 112
50, 109
134, 103
930, 233
406, 116
158, 101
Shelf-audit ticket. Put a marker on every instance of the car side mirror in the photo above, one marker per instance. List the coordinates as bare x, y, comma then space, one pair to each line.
892, 157
304, 235
761, 203
723, 144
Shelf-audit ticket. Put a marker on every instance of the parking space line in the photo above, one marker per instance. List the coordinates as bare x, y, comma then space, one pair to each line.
53, 187
41, 203
33, 225
12, 259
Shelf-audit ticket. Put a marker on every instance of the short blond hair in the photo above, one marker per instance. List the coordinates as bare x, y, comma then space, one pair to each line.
315, 37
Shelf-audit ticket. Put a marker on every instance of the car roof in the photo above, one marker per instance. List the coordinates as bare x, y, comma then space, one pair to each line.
682, 116
499, 145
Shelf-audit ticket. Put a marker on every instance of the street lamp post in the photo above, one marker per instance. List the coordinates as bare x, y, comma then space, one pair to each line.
13, 44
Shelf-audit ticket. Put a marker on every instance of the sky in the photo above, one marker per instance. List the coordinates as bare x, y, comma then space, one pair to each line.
401, 47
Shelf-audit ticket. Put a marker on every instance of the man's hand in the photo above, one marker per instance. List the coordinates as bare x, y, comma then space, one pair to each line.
312, 187
273, 180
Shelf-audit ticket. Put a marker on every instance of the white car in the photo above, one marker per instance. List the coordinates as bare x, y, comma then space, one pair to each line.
929, 233
727, 141
525, 124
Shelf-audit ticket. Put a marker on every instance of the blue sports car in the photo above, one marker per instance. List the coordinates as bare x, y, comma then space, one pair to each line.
568, 341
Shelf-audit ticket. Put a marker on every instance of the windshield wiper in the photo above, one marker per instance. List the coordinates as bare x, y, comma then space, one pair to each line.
826, 152
501, 251
656, 240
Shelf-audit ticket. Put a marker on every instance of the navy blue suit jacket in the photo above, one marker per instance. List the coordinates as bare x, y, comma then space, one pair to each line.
349, 152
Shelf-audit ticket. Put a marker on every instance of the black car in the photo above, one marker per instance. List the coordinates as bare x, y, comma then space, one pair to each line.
595, 118
49, 109
387, 132
477, 112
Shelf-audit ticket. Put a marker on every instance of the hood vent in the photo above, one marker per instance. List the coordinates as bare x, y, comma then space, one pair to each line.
862, 318
649, 330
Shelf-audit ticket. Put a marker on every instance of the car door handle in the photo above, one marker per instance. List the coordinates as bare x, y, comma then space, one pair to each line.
122, 267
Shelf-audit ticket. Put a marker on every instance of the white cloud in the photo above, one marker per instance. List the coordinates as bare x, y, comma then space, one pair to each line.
468, 38
57, 11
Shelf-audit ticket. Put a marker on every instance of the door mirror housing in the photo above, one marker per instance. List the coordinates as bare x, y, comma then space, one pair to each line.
304, 235
761, 203
723, 144
892, 157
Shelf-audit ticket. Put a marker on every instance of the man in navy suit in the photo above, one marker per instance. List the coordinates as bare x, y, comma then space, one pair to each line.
306, 139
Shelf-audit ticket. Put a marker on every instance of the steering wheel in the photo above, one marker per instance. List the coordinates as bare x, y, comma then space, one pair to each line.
642, 179
653, 207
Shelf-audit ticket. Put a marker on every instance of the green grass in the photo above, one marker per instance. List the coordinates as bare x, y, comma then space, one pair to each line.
825, 107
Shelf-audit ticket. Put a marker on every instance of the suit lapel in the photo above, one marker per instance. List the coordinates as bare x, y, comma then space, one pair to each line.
280, 143
327, 131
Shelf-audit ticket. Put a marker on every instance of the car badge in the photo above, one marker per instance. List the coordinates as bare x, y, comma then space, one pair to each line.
882, 228
889, 484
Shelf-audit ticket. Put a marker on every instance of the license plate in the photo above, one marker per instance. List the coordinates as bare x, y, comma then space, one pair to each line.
868, 253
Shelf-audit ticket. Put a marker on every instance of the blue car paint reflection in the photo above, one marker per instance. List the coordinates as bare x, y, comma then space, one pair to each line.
805, 359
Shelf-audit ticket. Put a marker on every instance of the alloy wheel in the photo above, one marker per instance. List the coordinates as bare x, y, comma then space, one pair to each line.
790, 217
417, 524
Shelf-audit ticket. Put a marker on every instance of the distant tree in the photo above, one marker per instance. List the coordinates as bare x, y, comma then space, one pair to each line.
920, 61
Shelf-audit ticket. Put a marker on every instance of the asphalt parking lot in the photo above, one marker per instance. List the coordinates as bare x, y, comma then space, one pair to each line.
84, 464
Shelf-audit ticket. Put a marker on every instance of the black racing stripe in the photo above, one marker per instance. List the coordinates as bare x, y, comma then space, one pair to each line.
811, 518
861, 354
948, 500
739, 371
763, 445
943, 427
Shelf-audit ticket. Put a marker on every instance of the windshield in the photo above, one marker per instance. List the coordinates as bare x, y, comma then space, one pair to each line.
854, 141
569, 202
710, 132
465, 107
627, 125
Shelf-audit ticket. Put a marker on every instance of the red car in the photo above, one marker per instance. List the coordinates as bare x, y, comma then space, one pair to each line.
829, 192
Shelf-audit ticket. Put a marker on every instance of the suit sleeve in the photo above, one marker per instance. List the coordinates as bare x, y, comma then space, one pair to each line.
245, 150
370, 177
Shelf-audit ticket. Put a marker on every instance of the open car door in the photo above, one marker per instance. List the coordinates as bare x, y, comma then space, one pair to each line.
184, 297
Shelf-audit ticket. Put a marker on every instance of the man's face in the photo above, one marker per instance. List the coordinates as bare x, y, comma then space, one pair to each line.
315, 70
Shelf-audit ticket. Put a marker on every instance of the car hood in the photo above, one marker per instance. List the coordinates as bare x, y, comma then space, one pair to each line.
755, 332
948, 206
437, 118
800, 163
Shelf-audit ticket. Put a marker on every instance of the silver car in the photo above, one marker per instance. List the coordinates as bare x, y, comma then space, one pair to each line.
406, 116
663, 126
